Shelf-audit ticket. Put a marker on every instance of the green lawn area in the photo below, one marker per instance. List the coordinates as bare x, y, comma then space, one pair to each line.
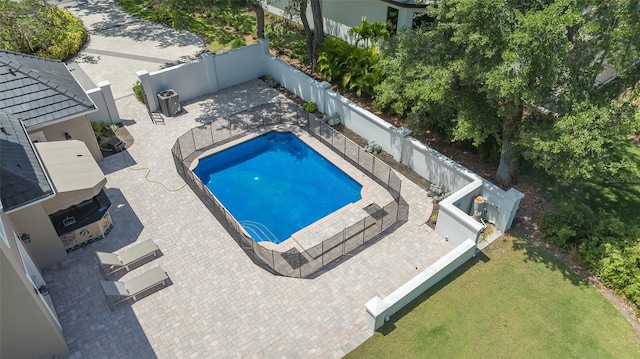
515, 301
222, 30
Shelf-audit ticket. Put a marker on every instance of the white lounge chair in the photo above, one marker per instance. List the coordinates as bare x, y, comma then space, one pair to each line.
123, 291
123, 259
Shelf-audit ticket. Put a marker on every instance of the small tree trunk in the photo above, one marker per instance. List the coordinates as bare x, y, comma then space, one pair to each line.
318, 30
257, 8
508, 165
302, 12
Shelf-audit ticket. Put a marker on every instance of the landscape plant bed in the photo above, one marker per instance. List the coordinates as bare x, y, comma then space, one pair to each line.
115, 133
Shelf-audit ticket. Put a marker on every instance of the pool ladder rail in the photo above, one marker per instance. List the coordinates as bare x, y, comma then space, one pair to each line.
261, 232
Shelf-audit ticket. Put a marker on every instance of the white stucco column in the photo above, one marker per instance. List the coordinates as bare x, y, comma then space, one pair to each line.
148, 90
110, 103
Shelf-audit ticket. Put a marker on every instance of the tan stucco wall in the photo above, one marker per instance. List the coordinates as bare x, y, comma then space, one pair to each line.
45, 247
27, 329
79, 128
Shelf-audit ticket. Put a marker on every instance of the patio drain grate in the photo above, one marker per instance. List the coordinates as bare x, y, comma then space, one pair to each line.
375, 211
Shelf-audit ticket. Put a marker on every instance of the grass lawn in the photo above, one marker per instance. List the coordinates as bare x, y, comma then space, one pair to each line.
222, 30
517, 301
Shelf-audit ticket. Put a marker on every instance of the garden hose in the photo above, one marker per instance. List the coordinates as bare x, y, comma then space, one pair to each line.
146, 177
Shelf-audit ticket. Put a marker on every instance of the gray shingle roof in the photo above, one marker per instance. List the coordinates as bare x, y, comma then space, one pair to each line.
22, 179
39, 90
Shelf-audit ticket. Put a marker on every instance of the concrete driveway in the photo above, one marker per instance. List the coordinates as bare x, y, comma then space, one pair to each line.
121, 44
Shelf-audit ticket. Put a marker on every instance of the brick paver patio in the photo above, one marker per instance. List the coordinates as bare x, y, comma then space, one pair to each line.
220, 305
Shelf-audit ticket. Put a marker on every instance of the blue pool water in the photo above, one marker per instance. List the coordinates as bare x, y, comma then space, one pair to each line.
276, 184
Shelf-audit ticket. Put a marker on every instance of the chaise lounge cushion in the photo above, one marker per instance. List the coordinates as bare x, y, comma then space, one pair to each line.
113, 262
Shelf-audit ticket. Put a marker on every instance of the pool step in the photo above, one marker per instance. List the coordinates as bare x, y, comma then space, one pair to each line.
259, 231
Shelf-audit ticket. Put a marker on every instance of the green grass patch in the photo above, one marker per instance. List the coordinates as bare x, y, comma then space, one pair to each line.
222, 29
516, 301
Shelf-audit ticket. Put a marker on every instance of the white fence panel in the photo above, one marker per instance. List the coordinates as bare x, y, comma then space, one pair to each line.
296, 81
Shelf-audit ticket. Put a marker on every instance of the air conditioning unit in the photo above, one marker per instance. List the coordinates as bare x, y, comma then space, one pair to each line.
169, 102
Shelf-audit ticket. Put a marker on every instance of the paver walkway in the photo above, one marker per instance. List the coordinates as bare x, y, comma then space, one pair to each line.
121, 44
220, 305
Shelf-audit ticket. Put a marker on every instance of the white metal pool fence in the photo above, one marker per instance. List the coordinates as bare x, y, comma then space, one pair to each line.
291, 263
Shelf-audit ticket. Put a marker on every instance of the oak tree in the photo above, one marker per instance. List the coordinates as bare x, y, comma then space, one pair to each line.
521, 75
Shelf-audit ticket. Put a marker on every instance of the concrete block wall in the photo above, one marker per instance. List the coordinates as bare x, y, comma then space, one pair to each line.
434, 166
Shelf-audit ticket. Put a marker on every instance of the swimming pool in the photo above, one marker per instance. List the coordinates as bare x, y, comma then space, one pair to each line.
275, 184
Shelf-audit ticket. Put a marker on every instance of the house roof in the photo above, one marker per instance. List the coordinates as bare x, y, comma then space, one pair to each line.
22, 179
38, 90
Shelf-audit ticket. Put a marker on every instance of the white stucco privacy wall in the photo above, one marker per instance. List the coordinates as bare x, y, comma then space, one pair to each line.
454, 222
102, 97
434, 166
296, 81
377, 310
206, 75
240, 65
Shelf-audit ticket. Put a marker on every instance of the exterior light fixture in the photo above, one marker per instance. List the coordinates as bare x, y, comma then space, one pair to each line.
25, 238
43, 290
67, 136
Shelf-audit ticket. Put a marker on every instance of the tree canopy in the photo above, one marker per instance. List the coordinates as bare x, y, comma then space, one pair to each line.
37, 28
520, 75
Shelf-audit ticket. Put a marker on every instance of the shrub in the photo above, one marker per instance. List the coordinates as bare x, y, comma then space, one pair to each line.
100, 130
373, 148
37, 28
137, 90
354, 66
437, 193
161, 14
332, 120
310, 107
604, 244
238, 43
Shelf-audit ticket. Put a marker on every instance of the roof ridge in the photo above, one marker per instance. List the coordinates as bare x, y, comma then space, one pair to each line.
38, 76
27, 55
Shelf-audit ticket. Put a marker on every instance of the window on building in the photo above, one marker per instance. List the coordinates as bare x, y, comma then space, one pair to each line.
421, 19
392, 19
